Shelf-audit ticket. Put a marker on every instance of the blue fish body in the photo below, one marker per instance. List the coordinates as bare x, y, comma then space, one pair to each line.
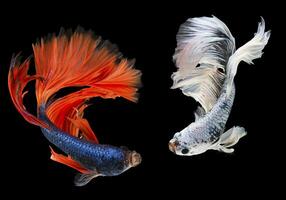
107, 160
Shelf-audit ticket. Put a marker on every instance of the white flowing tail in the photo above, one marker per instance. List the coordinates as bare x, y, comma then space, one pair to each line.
204, 45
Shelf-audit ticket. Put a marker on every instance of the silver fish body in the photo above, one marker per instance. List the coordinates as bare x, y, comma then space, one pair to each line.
206, 131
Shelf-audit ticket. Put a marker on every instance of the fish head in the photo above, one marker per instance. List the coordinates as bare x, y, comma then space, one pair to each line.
182, 146
135, 159
132, 157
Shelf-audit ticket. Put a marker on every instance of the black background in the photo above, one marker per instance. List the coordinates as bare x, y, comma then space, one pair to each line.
147, 33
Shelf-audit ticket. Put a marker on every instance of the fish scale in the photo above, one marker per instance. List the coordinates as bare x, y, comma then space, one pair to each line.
209, 127
216, 119
92, 156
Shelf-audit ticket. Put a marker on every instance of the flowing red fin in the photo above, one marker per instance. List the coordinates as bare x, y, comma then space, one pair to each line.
80, 60
18, 78
86, 131
67, 160
83, 125
67, 114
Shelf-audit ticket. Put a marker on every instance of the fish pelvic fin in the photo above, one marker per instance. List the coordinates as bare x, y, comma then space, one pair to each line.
83, 179
68, 161
247, 53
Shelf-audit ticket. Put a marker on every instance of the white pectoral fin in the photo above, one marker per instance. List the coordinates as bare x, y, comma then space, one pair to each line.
83, 179
229, 138
225, 149
217, 146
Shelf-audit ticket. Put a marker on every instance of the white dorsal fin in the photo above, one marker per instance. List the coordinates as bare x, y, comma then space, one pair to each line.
247, 53
207, 42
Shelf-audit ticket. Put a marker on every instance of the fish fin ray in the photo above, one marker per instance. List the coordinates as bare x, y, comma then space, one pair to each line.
83, 179
68, 161
80, 60
18, 79
203, 47
83, 125
247, 53
232, 136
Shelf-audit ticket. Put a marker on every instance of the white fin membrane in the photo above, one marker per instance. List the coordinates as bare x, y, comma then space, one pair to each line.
247, 53
204, 46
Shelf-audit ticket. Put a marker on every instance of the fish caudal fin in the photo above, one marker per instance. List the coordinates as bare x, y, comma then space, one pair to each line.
247, 53
204, 46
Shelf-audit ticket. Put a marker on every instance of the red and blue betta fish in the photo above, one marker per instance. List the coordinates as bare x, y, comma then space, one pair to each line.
97, 69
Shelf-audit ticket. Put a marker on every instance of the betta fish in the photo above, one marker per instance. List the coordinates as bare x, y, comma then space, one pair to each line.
207, 61
96, 68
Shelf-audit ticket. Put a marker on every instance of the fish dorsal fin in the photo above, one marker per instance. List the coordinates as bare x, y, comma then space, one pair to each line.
203, 47
247, 53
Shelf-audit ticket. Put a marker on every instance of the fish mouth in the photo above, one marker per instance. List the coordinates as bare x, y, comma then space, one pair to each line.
135, 159
173, 145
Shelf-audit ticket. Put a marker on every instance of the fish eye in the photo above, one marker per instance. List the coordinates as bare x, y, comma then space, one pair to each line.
185, 151
221, 70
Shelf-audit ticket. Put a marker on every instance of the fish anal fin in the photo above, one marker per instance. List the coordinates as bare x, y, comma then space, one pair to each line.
83, 179
67, 160
225, 149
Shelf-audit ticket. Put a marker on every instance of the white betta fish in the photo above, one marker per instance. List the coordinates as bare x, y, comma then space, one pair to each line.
207, 62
